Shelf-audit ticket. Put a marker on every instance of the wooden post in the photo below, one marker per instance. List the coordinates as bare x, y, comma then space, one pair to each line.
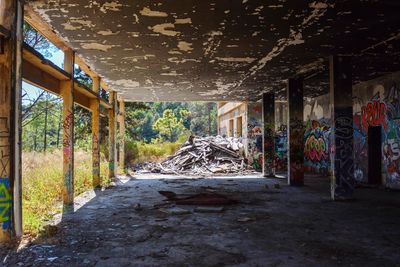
11, 16
112, 126
95, 107
68, 127
122, 134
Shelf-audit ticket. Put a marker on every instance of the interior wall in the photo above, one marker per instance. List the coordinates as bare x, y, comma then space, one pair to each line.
317, 118
377, 103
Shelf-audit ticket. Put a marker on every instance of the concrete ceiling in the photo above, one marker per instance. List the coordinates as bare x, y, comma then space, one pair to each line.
224, 49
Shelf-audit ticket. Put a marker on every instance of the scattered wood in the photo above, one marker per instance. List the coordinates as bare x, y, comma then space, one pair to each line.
204, 156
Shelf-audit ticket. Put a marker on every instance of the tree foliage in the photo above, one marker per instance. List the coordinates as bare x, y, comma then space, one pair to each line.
169, 127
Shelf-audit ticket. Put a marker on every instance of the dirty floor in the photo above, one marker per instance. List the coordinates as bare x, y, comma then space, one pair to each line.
273, 225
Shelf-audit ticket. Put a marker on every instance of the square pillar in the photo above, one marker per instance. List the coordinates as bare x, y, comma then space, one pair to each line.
67, 88
342, 161
112, 128
295, 132
269, 134
11, 18
95, 108
122, 134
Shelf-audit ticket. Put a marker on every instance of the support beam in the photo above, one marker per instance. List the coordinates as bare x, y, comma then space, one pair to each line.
295, 132
112, 127
122, 134
95, 107
342, 181
10, 124
269, 134
67, 88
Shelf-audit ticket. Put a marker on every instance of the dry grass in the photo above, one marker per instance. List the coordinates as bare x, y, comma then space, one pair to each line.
42, 182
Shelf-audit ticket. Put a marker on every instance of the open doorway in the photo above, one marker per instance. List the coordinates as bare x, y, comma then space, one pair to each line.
374, 155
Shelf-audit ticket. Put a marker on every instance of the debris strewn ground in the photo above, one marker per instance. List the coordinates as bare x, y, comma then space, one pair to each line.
204, 156
289, 226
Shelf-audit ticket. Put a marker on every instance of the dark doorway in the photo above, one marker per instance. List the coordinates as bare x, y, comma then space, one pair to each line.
374, 155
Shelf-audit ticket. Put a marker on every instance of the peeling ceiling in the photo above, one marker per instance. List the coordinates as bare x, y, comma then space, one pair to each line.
226, 49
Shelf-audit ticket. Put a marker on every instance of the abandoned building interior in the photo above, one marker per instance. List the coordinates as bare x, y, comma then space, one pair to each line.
310, 88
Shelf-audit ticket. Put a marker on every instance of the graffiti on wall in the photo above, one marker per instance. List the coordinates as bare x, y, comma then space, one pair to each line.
317, 146
5, 190
254, 136
378, 106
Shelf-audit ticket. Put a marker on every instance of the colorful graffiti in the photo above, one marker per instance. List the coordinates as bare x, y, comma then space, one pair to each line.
5, 203
373, 114
317, 146
5, 190
254, 136
379, 107
281, 149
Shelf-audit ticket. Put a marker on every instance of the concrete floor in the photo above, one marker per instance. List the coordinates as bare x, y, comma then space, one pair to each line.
287, 226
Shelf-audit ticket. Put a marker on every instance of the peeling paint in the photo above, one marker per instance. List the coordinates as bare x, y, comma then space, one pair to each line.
96, 46
185, 46
236, 59
163, 29
183, 21
107, 32
126, 83
113, 6
150, 13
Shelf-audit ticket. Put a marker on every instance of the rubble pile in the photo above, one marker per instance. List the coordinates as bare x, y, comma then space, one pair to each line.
204, 155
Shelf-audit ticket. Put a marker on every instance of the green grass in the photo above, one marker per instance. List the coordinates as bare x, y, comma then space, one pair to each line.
42, 182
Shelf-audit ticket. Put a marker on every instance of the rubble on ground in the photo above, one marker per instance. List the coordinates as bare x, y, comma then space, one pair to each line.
204, 155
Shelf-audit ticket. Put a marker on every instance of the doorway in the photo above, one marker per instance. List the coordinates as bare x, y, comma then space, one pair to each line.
374, 155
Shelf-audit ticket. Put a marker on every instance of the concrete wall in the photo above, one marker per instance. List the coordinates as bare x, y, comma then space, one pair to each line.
317, 118
232, 111
377, 103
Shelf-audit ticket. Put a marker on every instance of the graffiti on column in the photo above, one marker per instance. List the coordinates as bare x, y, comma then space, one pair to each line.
96, 156
254, 138
343, 156
67, 146
5, 190
296, 141
281, 148
68, 125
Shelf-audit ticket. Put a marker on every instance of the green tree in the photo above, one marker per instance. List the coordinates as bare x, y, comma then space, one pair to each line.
169, 127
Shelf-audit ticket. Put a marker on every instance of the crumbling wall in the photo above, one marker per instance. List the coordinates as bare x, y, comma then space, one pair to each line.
317, 118
377, 103
254, 140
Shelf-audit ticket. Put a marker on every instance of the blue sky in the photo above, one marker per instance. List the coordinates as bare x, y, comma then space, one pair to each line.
57, 57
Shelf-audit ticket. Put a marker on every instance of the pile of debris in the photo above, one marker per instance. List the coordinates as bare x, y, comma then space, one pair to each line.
205, 155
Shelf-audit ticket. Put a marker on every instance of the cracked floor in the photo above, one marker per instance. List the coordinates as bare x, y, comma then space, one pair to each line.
273, 225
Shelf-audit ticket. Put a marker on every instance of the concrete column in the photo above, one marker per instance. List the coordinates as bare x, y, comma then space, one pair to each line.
269, 135
342, 181
67, 88
95, 107
122, 134
112, 127
295, 132
11, 17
